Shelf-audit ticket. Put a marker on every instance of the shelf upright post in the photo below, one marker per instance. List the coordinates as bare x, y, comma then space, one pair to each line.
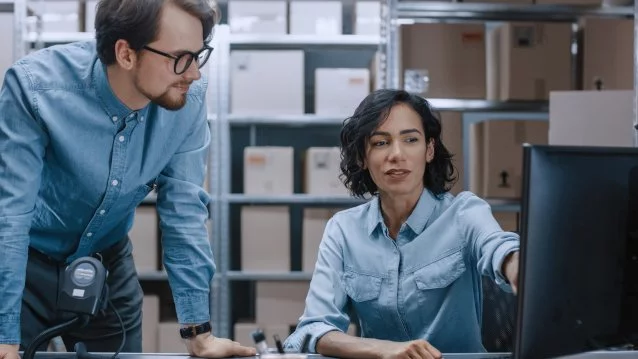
635, 124
388, 67
19, 28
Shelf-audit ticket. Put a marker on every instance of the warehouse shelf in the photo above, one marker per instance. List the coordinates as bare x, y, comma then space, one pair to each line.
59, 37
270, 276
470, 105
504, 205
288, 120
150, 276
294, 199
415, 11
253, 41
6, 6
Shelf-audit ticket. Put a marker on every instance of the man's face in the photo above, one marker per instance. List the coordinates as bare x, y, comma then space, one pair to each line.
155, 75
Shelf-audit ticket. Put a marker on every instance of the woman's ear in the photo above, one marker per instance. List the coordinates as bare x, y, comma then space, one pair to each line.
429, 151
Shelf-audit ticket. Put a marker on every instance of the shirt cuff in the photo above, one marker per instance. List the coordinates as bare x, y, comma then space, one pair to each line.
316, 330
10, 328
193, 309
498, 259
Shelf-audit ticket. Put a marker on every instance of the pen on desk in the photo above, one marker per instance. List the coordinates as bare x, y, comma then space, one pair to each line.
260, 341
280, 347
305, 342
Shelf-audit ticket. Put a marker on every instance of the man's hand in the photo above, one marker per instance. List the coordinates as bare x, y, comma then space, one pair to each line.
416, 349
9, 351
510, 270
207, 346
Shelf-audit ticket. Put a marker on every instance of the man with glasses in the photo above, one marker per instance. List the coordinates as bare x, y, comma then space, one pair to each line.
87, 130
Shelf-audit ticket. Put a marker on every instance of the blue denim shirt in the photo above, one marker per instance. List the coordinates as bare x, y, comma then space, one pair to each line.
425, 285
74, 164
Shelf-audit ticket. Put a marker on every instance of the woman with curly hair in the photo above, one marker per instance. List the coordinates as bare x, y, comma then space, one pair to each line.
409, 261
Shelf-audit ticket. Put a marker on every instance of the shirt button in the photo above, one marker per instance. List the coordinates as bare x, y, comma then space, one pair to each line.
114, 118
102, 212
115, 182
89, 234
141, 118
121, 138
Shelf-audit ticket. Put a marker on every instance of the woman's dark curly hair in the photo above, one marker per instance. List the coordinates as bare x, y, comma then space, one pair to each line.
374, 109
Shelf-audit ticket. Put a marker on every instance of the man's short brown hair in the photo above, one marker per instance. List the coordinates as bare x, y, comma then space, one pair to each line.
137, 22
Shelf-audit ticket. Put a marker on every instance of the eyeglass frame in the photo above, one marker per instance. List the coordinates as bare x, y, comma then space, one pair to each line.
194, 55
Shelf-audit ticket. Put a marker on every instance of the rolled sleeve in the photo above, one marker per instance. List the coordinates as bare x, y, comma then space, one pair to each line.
183, 210
326, 300
23, 140
490, 245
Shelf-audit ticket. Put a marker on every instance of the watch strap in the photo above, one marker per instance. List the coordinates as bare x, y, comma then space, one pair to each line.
194, 330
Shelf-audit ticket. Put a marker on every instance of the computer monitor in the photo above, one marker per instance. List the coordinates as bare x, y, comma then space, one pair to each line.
578, 287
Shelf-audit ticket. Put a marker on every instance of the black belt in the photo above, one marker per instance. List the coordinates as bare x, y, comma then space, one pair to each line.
106, 256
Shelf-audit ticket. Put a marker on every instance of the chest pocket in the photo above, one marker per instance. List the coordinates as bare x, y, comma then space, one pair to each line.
441, 273
364, 290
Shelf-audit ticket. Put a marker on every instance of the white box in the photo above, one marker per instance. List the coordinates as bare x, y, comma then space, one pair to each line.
57, 16
257, 17
591, 118
338, 91
267, 82
268, 170
316, 17
322, 170
144, 237
89, 15
367, 17
265, 238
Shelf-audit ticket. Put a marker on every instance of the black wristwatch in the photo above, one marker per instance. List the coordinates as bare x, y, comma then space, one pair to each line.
194, 330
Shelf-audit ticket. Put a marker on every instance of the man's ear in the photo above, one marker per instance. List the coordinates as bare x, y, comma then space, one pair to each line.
125, 56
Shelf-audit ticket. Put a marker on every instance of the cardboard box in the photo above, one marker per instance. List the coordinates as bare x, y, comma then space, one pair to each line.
608, 60
367, 17
497, 161
265, 238
316, 17
169, 339
268, 170
280, 302
57, 16
509, 221
150, 323
255, 75
144, 237
6, 56
591, 118
322, 171
243, 333
314, 224
258, 17
533, 59
339, 91
452, 138
450, 56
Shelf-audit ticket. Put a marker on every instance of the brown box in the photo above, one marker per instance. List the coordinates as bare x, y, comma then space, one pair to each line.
150, 323
265, 238
452, 54
314, 224
452, 138
532, 60
169, 339
280, 302
144, 237
507, 220
321, 172
497, 155
608, 46
268, 170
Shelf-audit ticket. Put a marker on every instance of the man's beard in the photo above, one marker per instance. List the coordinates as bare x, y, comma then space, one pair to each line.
164, 100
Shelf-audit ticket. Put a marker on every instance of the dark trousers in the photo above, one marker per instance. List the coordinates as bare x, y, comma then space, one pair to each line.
103, 333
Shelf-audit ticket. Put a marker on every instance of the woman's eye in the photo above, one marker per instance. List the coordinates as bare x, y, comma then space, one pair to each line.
411, 139
379, 143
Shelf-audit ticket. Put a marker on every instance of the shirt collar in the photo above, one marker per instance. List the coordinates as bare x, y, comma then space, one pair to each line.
418, 219
114, 107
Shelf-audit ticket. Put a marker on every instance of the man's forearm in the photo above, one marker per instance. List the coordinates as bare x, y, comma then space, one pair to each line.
12, 278
341, 345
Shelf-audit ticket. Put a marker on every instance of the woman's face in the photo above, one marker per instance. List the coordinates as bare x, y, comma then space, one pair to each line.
397, 153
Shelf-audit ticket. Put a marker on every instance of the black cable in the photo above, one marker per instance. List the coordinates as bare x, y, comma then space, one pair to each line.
52, 332
121, 326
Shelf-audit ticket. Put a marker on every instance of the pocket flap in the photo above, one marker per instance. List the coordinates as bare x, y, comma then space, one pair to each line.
441, 273
361, 287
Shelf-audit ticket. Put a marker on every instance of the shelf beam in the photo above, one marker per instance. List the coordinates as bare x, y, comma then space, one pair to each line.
294, 199
268, 276
414, 10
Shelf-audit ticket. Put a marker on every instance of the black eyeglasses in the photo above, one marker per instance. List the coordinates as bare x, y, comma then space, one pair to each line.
184, 60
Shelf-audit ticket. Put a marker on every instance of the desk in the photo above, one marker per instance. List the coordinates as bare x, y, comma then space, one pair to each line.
590, 355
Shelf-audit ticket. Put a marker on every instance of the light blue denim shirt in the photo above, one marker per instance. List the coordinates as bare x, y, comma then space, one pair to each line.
74, 164
425, 285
